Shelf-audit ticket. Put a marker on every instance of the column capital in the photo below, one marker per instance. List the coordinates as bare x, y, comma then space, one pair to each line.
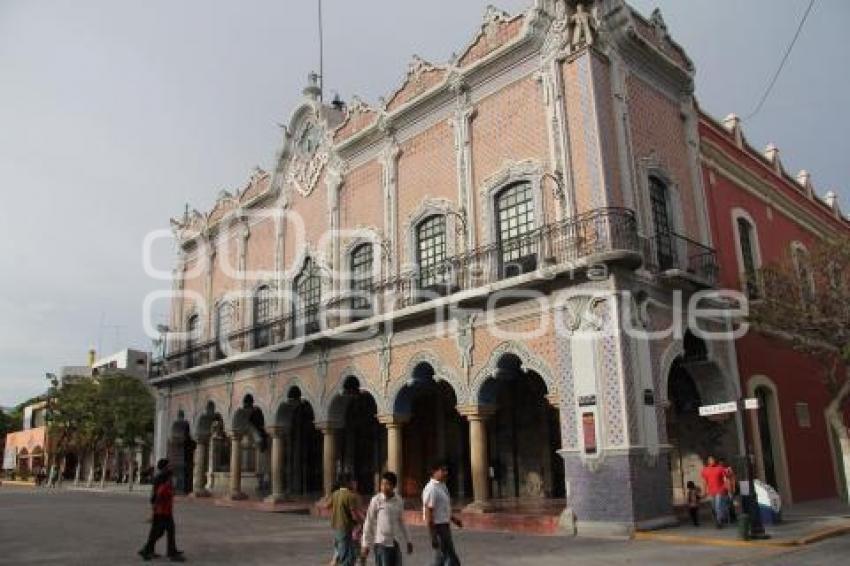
477, 412
277, 431
328, 427
393, 420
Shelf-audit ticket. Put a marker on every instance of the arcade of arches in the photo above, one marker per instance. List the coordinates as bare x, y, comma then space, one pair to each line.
503, 448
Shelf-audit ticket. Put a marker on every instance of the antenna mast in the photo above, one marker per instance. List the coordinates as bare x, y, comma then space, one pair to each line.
321, 57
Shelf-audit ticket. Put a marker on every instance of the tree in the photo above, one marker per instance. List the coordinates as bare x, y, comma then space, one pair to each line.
805, 301
93, 415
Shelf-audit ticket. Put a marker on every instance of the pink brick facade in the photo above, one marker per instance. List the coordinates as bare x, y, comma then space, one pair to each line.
563, 110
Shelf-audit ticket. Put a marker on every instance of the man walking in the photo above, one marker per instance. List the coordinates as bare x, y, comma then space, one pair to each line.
714, 483
385, 525
344, 505
437, 513
162, 500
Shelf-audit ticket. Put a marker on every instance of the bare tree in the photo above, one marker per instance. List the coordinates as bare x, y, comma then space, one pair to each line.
804, 301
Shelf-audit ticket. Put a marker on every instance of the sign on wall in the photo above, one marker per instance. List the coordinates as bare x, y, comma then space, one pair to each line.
10, 458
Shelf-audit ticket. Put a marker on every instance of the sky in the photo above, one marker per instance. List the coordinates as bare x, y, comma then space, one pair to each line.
114, 115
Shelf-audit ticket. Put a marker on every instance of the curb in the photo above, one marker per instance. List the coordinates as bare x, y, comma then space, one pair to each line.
811, 538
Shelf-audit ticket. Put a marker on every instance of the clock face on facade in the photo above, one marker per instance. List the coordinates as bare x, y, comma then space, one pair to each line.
308, 158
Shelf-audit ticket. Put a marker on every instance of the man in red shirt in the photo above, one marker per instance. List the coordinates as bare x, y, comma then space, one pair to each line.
714, 484
162, 500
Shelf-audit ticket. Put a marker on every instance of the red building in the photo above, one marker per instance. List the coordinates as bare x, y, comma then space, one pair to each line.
761, 215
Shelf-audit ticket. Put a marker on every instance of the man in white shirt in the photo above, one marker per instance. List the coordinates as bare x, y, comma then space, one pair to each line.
385, 525
437, 513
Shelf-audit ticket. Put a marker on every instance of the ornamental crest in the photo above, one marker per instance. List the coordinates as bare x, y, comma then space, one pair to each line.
309, 157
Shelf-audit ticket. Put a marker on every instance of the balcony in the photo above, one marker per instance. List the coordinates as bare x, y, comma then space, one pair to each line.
607, 235
681, 260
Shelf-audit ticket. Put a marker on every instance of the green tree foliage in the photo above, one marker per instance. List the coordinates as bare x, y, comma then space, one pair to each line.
94, 414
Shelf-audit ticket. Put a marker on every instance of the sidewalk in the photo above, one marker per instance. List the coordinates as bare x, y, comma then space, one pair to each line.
803, 523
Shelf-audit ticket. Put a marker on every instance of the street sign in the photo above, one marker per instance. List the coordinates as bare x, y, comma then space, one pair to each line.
718, 409
729, 407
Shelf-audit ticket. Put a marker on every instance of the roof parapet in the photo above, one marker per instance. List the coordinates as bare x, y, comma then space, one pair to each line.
732, 123
804, 179
771, 153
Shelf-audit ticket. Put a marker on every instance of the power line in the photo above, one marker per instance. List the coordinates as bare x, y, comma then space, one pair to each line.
783, 62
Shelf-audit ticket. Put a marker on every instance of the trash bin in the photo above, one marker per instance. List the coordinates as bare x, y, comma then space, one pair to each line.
769, 503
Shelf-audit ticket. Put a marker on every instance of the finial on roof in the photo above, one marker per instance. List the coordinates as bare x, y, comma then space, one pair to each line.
771, 153
313, 91
732, 123
804, 179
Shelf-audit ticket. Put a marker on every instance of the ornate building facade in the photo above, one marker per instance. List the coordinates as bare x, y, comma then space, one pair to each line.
496, 265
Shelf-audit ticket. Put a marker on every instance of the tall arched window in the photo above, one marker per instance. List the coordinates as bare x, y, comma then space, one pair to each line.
746, 240
659, 199
361, 280
515, 223
223, 328
193, 335
262, 317
804, 273
308, 290
431, 251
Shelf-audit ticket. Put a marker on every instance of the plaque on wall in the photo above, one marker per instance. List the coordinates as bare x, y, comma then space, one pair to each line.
586, 400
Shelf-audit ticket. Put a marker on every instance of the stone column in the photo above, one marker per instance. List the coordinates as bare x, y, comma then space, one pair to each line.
277, 465
477, 416
236, 467
395, 447
199, 481
328, 455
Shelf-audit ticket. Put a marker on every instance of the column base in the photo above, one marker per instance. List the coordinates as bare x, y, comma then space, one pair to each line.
567, 522
479, 507
201, 493
238, 496
277, 498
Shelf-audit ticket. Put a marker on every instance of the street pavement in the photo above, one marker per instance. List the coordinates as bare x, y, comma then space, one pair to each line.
89, 528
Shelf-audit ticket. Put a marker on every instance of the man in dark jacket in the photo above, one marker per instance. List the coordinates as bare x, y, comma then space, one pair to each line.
162, 500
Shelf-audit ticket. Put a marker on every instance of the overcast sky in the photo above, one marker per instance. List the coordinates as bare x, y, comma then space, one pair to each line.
114, 114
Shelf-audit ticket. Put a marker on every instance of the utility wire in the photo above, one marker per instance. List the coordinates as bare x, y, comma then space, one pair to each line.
782, 64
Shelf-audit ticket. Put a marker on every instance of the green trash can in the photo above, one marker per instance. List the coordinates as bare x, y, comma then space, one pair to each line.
744, 526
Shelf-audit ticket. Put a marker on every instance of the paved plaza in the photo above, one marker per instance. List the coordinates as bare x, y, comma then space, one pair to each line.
91, 528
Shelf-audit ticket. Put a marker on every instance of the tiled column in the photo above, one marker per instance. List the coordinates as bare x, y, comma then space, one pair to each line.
277, 495
199, 481
236, 467
477, 416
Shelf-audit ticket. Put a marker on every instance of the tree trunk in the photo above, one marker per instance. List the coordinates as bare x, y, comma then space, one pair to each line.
131, 468
92, 458
77, 472
103, 469
836, 422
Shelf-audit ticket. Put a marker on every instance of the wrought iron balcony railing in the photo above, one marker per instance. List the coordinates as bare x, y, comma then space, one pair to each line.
676, 254
560, 245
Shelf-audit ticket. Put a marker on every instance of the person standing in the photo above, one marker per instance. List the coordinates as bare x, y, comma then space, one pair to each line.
385, 526
162, 500
694, 497
714, 484
344, 505
731, 489
437, 513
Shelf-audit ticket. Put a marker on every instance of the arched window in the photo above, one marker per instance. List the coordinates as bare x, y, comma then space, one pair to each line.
223, 328
659, 198
431, 251
746, 241
804, 273
262, 317
193, 332
361, 280
308, 290
515, 224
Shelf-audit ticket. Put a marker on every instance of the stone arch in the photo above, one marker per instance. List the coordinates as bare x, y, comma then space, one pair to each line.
441, 373
528, 360
351, 372
295, 394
